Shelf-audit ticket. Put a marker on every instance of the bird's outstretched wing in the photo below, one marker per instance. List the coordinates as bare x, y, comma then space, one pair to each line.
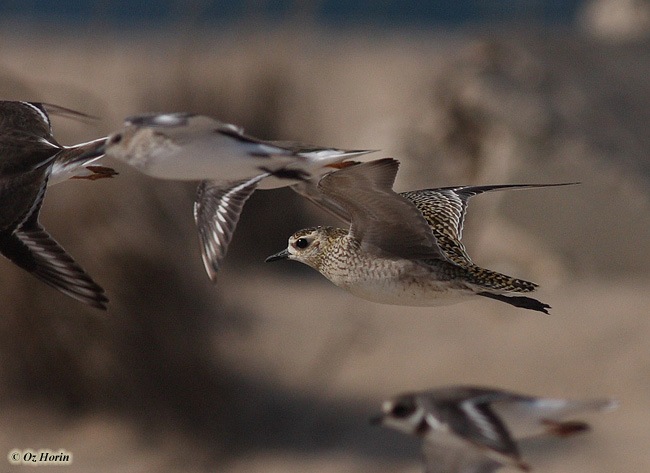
444, 210
217, 209
381, 219
31, 248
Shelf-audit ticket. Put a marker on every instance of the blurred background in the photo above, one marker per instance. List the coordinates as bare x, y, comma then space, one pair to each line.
274, 369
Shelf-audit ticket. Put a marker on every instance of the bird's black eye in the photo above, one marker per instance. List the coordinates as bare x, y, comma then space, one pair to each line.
403, 409
302, 243
115, 139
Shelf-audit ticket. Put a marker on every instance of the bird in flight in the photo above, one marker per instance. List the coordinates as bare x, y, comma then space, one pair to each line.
30, 158
229, 164
469, 429
401, 249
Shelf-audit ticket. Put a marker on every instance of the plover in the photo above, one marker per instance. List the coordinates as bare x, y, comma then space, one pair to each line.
230, 165
401, 249
467, 429
29, 157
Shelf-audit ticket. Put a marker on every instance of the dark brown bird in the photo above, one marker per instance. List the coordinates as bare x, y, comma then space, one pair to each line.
29, 157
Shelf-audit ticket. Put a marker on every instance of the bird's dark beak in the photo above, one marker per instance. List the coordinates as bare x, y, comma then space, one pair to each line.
284, 254
377, 420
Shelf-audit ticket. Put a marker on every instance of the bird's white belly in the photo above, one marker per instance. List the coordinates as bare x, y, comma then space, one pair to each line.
390, 286
396, 294
201, 160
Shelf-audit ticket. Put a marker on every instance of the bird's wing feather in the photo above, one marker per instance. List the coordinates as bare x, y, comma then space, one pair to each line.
310, 191
469, 416
445, 208
381, 218
58, 110
217, 209
24, 152
31, 248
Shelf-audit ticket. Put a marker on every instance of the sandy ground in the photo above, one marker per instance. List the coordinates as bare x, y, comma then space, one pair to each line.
317, 342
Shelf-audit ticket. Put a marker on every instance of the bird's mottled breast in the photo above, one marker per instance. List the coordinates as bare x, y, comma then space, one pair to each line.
346, 264
341, 258
381, 278
144, 147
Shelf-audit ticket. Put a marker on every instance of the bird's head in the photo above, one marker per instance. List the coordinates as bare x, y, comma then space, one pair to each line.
309, 246
403, 413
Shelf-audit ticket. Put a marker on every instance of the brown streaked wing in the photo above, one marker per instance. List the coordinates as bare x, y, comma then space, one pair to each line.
445, 208
310, 191
381, 218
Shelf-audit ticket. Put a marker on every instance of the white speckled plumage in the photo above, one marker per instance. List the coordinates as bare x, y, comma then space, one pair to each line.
401, 249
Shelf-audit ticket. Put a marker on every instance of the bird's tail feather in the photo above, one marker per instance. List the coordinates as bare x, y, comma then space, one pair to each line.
497, 281
518, 301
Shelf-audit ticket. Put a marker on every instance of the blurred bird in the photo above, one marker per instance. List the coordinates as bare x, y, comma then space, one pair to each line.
401, 249
30, 157
466, 429
230, 165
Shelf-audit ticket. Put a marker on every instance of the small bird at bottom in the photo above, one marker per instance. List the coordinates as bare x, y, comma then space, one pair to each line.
401, 249
469, 429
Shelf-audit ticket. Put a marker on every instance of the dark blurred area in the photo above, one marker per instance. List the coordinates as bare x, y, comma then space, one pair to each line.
273, 369
335, 13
